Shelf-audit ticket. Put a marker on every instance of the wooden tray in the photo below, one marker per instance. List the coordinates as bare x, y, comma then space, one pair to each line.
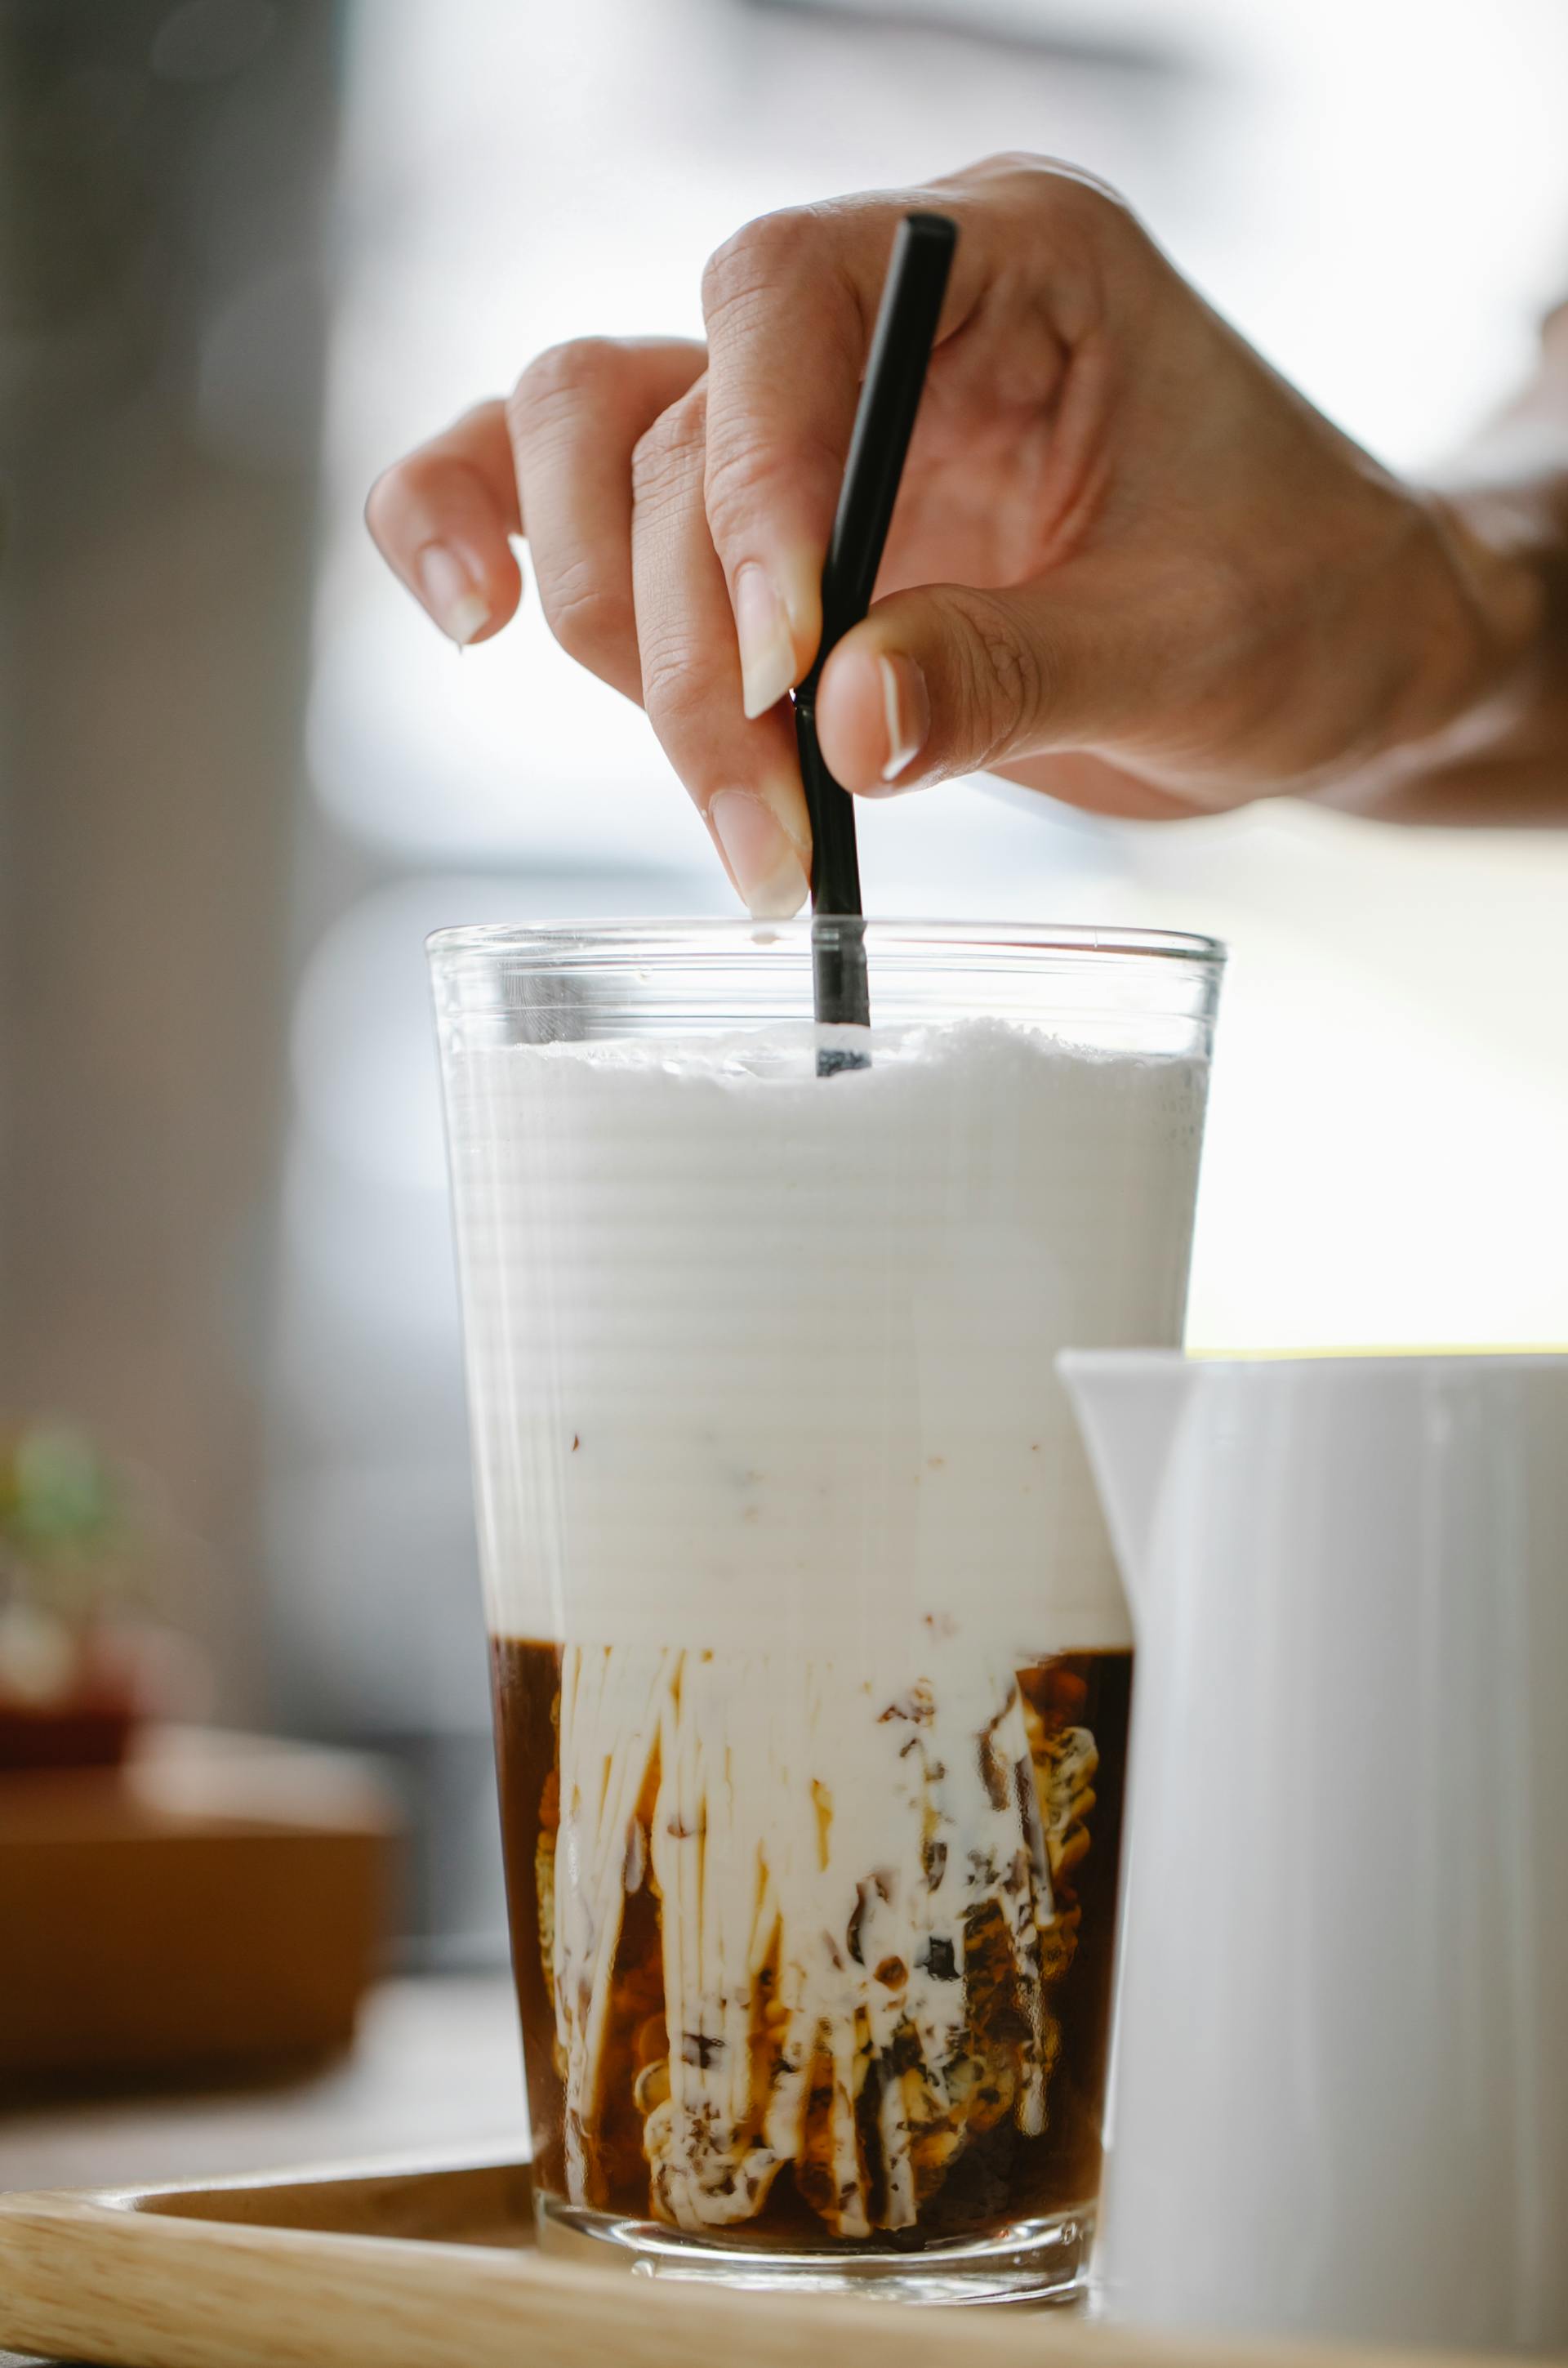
435, 2267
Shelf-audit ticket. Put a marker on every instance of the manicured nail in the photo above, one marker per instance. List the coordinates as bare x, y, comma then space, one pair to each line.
760, 852
767, 651
906, 706
450, 594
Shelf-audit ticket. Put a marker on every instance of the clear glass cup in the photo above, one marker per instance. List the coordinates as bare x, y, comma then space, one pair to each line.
812, 1666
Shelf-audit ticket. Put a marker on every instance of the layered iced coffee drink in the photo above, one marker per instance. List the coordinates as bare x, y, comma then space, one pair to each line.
812, 1671
806, 1959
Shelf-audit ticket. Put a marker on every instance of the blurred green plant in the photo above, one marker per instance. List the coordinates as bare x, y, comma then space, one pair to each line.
71, 1540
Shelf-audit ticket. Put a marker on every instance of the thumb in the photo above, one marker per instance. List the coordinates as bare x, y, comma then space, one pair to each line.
949, 679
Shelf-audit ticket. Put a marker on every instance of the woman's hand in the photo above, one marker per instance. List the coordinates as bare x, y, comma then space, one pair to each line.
1129, 565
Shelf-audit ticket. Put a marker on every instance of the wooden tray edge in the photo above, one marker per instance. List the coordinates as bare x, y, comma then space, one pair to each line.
116, 2275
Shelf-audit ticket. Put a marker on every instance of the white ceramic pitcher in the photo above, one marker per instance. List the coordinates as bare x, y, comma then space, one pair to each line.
1341, 2086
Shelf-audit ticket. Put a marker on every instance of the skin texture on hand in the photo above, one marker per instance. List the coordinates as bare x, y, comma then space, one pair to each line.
1129, 565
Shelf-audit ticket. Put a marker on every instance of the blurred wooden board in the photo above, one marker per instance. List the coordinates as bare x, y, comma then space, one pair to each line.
435, 2267
218, 1902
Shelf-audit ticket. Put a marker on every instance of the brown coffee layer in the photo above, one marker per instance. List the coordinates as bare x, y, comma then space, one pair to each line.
976, 2171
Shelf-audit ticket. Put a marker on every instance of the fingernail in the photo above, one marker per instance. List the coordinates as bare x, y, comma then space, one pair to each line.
450, 594
760, 852
906, 705
767, 651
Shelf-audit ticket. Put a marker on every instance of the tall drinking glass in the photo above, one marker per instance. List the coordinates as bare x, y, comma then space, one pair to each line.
812, 1666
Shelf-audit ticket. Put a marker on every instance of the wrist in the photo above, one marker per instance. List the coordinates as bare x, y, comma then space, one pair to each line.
1481, 649
1479, 617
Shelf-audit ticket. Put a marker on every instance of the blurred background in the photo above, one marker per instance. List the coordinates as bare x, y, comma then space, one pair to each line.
251, 249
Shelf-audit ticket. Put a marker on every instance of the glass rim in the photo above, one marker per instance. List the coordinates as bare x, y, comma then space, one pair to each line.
548, 943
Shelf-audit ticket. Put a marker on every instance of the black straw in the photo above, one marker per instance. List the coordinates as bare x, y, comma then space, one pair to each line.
895, 377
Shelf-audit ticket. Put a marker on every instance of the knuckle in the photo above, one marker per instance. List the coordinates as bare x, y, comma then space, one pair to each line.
672, 691
1024, 166
757, 257
560, 379
1051, 189
1001, 677
590, 619
745, 467
736, 487
1057, 181
469, 423
1086, 201
664, 456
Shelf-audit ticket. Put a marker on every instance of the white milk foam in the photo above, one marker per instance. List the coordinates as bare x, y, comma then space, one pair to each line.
758, 1359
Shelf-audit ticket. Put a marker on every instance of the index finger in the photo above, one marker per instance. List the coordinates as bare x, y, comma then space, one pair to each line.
790, 302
